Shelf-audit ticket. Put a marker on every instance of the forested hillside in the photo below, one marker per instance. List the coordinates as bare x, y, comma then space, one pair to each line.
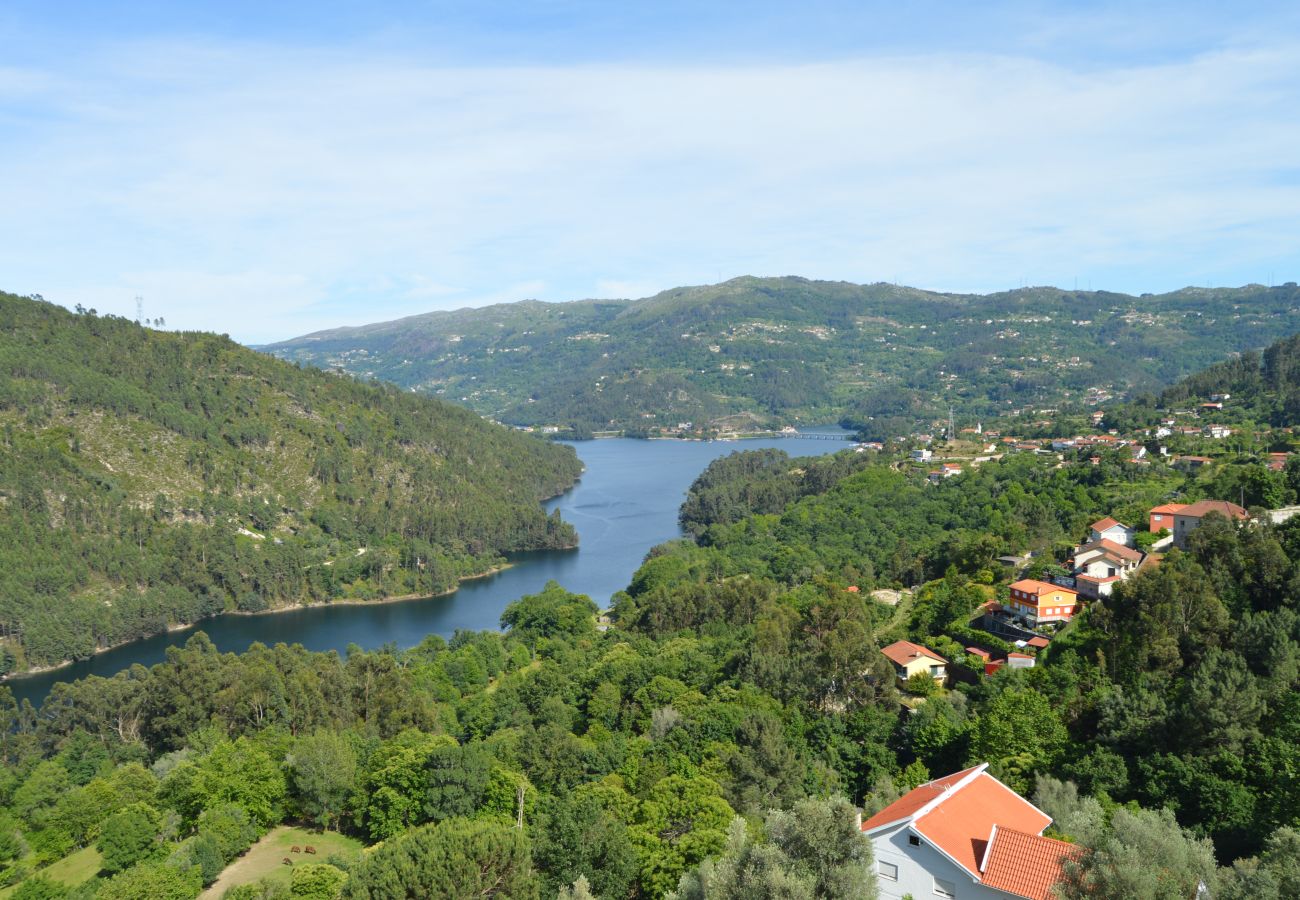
1263, 388
742, 677
149, 479
763, 351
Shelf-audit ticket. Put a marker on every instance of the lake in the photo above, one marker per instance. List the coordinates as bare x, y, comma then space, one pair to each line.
625, 503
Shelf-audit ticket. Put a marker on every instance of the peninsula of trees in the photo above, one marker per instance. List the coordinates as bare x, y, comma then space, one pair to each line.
149, 479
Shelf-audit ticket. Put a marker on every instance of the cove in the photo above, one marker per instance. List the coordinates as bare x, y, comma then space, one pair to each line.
625, 503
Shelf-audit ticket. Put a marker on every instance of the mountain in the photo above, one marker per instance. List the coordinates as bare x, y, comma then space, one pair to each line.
148, 479
770, 351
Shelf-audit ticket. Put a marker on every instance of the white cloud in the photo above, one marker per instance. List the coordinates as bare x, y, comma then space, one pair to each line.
266, 193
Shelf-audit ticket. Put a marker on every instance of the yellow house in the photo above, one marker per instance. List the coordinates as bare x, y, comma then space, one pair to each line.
909, 658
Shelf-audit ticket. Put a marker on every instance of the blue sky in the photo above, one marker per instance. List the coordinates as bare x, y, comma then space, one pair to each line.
267, 170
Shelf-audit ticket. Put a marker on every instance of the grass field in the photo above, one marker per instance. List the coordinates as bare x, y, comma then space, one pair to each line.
266, 858
72, 870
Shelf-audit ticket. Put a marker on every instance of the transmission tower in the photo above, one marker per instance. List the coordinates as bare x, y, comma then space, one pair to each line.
139, 310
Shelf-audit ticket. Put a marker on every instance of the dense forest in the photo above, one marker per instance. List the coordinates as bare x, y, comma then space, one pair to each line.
149, 479
709, 744
760, 351
1263, 388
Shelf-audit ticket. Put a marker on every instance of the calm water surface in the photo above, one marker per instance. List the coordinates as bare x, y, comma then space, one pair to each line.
626, 503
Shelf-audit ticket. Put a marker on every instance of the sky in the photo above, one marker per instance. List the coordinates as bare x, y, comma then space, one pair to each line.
268, 170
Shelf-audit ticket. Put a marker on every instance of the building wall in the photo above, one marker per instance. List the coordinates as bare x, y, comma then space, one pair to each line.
917, 868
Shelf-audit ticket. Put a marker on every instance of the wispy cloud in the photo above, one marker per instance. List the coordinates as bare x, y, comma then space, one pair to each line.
266, 192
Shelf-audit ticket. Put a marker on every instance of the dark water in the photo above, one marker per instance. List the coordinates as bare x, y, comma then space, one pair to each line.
626, 503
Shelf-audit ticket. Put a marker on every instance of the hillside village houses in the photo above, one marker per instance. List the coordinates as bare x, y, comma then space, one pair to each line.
1039, 602
966, 836
1188, 519
911, 659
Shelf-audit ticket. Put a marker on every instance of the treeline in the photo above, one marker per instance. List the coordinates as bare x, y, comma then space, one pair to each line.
889, 526
150, 479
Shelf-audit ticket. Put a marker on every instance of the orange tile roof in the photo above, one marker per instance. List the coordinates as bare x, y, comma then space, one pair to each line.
1168, 508
1103, 524
960, 824
1031, 586
903, 652
907, 805
1025, 864
1201, 508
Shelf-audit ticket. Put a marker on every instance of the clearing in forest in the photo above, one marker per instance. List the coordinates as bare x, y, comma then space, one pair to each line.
266, 857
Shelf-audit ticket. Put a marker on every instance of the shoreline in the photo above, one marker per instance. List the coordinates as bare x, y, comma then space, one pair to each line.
172, 629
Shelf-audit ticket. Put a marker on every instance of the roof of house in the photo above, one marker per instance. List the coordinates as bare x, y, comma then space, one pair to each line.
1168, 508
1104, 524
1026, 865
1202, 508
904, 652
1038, 641
1107, 546
956, 814
1030, 586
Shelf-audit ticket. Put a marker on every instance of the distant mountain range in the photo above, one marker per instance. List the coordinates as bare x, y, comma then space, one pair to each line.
758, 352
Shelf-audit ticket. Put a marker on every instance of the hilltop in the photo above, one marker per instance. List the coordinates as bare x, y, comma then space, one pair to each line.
148, 479
762, 352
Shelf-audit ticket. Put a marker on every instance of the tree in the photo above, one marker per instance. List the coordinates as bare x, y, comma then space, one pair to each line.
579, 836
553, 613
129, 836
323, 770
154, 880
1144, 854
580, 890
446, 861
1018, 734
681, 823
816, 851
316, 881
38, 887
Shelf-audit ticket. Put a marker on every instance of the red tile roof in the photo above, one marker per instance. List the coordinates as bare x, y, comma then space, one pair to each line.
1025, 864
1036, 588
960, 824
1201, 508
1039, 642
906, 806
904, 652
1103, 524
1168, 508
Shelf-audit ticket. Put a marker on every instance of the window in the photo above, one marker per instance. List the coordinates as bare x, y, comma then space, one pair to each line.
914, 840
887, 870
945, 889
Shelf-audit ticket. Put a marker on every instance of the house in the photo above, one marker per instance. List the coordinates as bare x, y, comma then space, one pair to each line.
1192, 463
1188, 519
966, 836
1020, 660
1108, 529
1039, 602
1218, 432
921, 454
909, 659
1277, 461
947, 470
1162, 517
1099, 564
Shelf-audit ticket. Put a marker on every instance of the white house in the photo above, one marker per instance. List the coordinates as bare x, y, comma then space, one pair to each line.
965, 837
1108, 529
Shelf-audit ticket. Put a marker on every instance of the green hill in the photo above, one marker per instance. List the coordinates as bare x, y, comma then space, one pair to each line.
148, 479
763, 351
